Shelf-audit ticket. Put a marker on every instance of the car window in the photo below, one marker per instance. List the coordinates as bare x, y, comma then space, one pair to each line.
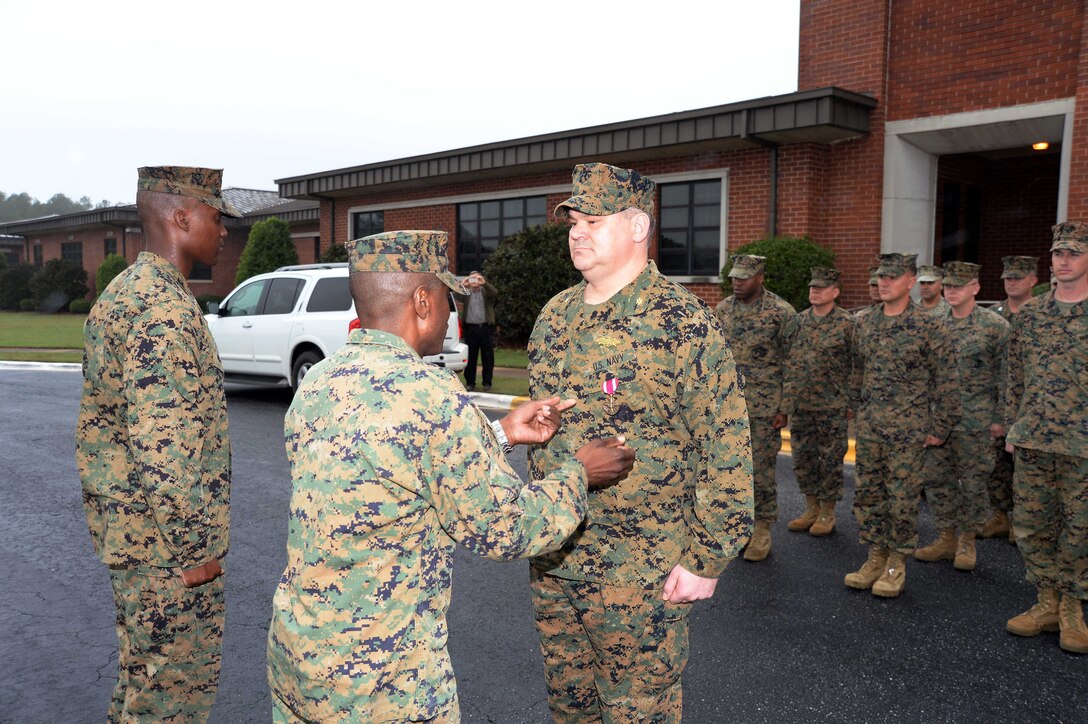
244, 301
330, 295
282, 295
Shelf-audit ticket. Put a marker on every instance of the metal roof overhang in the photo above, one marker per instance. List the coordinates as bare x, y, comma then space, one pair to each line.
124, 216
826, 115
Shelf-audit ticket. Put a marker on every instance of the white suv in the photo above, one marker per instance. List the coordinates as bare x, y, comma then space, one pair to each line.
276, 326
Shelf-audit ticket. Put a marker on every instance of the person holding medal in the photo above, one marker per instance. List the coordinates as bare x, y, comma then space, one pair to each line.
646, 360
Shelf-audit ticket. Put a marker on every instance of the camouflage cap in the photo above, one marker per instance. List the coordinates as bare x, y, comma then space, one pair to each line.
958, 273
930, 273
896, 265
1018, 267
823, 276
1071, 235
746, 266
199, 183
873, 278
603, 190
404, 251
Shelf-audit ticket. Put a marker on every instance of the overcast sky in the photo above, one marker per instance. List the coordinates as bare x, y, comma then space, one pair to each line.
271, 89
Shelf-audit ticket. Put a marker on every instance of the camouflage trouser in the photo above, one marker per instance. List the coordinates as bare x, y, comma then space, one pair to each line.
1051, 524
766, 442
886, 497
283, 714
170, 641
611, 653
1001, 480
819, 442
957, 475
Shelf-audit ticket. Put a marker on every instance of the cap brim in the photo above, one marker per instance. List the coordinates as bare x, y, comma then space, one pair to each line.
224, 207
451, 281
822, 284
1014, 275
929, 278
735, 273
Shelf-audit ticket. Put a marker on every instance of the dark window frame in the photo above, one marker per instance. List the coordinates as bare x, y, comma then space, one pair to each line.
691, 228
481, 225
72, 251
366, 223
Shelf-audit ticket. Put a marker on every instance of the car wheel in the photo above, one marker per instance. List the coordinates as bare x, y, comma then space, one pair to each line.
302, 366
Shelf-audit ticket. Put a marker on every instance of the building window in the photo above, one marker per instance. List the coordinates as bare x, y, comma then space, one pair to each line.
37, 255
109, 246
72, 251
482, 225
365, 223
691, 229
200, 272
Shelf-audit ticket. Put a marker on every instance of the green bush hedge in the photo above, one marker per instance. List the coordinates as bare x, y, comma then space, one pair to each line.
15, 285
787, 269
203, 300
110, 267
268, 248
79, 306
58, 282
527, 270
335, 253
28, 305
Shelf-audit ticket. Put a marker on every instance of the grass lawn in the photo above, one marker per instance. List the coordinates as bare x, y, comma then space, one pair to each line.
509, 357
30, 329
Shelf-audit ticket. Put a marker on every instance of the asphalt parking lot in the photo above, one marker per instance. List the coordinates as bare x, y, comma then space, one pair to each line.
782, 640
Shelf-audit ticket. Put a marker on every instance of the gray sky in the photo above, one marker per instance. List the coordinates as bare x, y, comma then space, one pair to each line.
273, 89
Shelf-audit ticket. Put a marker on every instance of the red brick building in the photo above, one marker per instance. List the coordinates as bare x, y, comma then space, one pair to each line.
912, 131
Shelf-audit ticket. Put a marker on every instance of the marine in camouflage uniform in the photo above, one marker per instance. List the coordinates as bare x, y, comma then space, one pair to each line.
929, 280
958, 472
647, 361
154, 457
816, 397
874, 295
391, 464
1047, 423
904, 400
1020, 274
758, 325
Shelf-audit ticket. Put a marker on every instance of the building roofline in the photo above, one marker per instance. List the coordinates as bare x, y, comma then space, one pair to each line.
823, 115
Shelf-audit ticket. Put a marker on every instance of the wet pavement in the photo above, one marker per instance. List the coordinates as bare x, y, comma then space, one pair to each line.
782, 640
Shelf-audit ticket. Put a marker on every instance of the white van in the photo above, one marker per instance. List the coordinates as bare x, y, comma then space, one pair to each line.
274, 327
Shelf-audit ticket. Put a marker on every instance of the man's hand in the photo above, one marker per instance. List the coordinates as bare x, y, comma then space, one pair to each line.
193, 577
535, 422
1010, 448
607, 461
684, 587
780, 421
933, 441
997, 431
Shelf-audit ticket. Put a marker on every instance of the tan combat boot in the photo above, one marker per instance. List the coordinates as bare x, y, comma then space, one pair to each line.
1074, 638
864, 578
1043, 616
996, 527
894, 578
760, 545
942, 549
806, 519
965, 553
825, 522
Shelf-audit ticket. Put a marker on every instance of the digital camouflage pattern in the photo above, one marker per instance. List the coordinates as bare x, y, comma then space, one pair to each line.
1071, 235
902, 392
1051, 523
930, 273
896, 265
759, 335
677, 400
169, 649
391, 463
404, 251
823, 277
154, 461
958, 472
746, 266
960, 273
942, 309
816, 396
199, 183
1018, 267
646, 640
603, 190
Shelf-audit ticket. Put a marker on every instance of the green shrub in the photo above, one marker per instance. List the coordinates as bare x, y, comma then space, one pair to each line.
79, 306
787, 269
28, 305
203, 300
58, 282
15, 285
268, 248
335, 253
527, 270
110, 267
3, 261
1040, 289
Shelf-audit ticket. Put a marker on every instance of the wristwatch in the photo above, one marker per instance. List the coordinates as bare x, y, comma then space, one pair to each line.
501, 435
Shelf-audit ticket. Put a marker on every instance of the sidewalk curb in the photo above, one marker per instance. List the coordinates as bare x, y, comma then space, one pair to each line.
50, 366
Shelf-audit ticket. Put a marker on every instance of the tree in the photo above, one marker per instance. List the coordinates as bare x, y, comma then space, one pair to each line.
335, 253
787, 269
269, 247
58, 282
18, 207
15, 285
110, 267
527, 270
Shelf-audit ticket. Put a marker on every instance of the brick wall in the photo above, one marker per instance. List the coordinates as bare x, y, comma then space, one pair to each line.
1078, 175
94, 249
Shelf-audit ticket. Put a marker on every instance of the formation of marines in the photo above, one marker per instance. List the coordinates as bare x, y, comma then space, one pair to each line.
653, 437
